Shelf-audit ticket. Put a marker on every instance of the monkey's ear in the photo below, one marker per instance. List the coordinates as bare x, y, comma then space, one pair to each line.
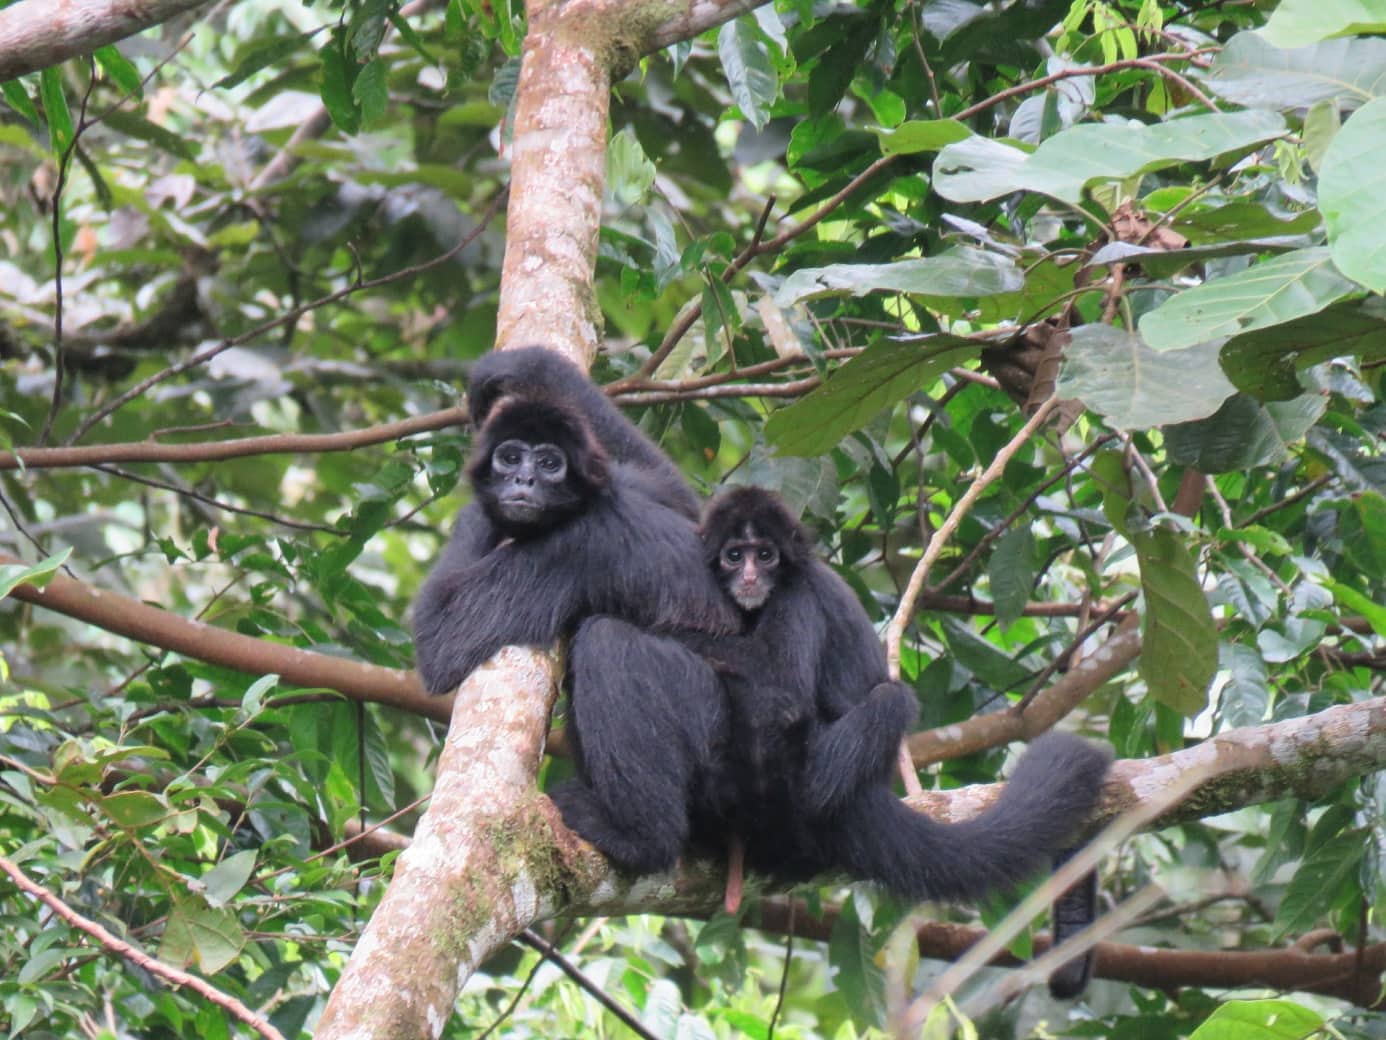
590, 460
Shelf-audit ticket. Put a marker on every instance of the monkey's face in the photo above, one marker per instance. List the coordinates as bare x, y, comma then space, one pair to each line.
748, 567
529, 482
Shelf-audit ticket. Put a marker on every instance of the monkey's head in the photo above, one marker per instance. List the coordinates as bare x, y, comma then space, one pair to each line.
753, 543
536, 465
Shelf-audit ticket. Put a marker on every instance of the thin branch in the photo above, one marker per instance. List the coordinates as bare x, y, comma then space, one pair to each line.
207, 500
530, 939
173, 976
288, 316
1001, 727
1287, 501
896, 629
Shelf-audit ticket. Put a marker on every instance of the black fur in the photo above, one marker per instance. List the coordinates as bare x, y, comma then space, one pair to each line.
1073, 911
816, 723
646, 715
630, 549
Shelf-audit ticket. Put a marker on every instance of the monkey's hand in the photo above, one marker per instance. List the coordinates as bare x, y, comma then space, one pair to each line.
522, 372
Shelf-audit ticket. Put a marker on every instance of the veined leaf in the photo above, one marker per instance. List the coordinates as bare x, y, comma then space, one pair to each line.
1271, 292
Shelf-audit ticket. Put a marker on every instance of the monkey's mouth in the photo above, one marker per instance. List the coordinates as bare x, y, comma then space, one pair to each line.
521, 509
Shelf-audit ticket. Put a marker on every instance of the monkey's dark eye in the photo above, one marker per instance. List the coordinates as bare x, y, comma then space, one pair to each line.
765, 555
733, 555
550, 463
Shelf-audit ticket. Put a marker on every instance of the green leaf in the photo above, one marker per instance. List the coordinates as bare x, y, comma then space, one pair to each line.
979, 169
39, 575
1179, 640
1243, 433
922, 135
220, 884
261, 54
1295, 23
254, 698
195, 933
1364, 605
629, 172
1252, 72
1113, 372
750, 73
857, 975
858, 391
371, 92
1243, 699
338, 76
1265, 363
962, 271
1259, 1020
1011, 573
142, 129
134, 810
1362, 527
18, 99
1317, 883
1321, 124
1271, 292
55, 108
123, 74
1352, 196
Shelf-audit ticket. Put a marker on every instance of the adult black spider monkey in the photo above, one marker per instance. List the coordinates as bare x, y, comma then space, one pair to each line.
582, 527
816, 723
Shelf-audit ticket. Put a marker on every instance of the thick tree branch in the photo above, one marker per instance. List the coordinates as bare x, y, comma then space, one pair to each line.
35, 34
151, 625
1043, 711
1347, 975
477, 872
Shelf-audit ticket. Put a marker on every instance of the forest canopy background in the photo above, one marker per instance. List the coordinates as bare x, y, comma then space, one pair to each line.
845, 250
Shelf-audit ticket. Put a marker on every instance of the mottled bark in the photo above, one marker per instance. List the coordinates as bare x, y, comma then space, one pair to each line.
35, 34
476, 871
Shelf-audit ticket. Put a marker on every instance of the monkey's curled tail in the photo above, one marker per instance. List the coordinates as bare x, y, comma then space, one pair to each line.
1040, 811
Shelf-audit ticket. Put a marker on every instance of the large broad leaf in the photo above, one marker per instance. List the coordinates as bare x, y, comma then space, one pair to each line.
1352, 196
1265, 363
1251, 72
1259, 1020
1320, 880
750, 73
196, 933
1111, 371
958, 272
922, 135
882, 375
979, 169
1298, 22
1271, 292
1243, 433
1179, 640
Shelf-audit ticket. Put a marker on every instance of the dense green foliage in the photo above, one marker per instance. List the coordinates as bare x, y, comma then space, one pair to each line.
1190, 211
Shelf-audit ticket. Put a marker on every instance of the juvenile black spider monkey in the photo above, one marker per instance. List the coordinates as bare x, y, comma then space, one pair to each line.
816, 723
